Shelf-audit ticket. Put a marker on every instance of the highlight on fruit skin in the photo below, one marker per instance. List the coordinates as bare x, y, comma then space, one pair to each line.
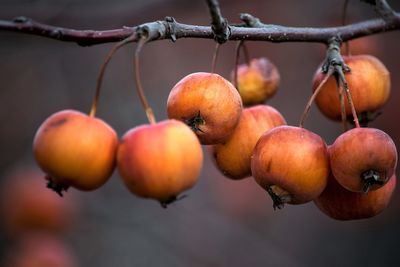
75, 150
342, 204
233, 157
160, 161
207, 103
291, 164
26, 204
368, 82
363, 159
257, 81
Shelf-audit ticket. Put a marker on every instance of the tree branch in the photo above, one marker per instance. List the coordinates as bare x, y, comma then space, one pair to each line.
170, 29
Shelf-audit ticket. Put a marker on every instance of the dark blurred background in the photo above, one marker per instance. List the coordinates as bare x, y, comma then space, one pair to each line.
222, 222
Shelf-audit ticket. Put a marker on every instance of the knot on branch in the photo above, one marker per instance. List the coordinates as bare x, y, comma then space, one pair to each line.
152, 30
157, 30
250, 20
221, 31
21, 19
171, 28
333, 57
219, 24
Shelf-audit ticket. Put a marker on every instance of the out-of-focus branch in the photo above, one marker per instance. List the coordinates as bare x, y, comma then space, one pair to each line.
81, 37
253, 29
384, 9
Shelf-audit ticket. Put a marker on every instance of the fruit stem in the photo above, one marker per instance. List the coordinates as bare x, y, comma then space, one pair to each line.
335, 60
237, 56
342, 105
339, 71
215, 57
246, 54
279, 196
139, 87
102, 71
241, 45
313, 96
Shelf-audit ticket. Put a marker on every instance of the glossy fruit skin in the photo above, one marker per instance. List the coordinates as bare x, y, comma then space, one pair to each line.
294, 159
160, 161
359, 150
368, 82
234, 156
40, 249
27, 205
211, 97
342, 204
257, 81
76, 150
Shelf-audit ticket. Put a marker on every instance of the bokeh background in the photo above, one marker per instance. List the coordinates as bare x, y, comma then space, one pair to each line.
222, 222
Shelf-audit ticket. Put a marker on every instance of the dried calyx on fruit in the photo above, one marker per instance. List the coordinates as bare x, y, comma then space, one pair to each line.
208, 103
26, 205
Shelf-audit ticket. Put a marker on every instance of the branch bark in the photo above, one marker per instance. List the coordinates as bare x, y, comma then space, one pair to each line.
253, 29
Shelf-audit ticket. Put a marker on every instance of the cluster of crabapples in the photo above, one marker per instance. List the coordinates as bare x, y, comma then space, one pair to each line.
352, 178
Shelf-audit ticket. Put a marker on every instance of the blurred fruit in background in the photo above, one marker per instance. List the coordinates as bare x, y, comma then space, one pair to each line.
39, 250
257, 81
26, 204
370, 45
